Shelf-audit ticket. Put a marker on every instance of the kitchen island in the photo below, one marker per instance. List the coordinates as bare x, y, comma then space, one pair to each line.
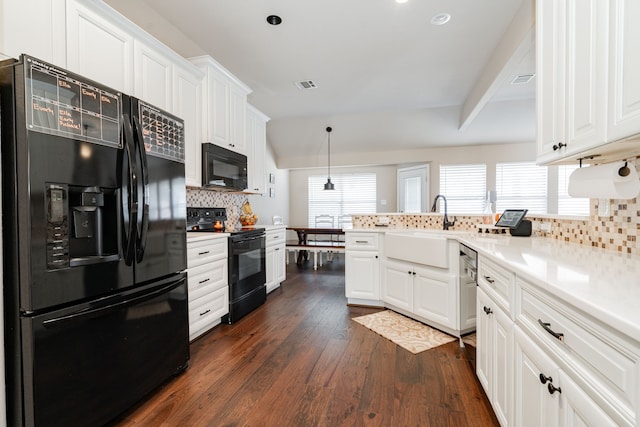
558, 328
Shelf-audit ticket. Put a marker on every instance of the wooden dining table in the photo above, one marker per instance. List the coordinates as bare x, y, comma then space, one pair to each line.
303, 237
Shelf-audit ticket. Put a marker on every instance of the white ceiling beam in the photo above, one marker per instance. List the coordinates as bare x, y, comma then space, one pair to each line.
516, 43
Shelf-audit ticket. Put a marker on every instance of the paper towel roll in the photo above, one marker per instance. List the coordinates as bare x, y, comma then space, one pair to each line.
608, 181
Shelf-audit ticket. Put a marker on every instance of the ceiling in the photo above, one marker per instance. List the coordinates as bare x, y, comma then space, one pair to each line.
387, 79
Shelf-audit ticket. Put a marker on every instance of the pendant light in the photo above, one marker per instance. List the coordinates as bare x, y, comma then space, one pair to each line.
329, 185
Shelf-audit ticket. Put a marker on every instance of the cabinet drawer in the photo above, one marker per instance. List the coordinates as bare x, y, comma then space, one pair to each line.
204, 251
205, 312
276, 237
603, 359
207, 278
498, 282
362, 241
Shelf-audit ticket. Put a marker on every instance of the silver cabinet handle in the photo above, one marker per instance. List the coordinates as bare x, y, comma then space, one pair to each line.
489, 279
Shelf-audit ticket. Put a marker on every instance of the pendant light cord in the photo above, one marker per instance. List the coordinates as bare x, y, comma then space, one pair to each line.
329, 154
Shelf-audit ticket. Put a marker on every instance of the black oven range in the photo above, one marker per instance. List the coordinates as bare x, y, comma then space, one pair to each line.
247, 263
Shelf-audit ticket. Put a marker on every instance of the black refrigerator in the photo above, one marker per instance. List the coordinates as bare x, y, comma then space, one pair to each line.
93, 217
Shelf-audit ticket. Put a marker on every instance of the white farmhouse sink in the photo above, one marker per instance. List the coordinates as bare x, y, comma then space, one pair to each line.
419, 247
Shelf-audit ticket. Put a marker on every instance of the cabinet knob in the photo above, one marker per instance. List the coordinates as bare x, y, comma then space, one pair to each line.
552, 389
544, 379
487, 310
558, 146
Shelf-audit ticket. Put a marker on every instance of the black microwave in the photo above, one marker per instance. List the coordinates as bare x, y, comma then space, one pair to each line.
223, 169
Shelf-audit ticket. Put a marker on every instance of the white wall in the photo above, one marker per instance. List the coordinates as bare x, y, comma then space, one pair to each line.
265, 206
387, 176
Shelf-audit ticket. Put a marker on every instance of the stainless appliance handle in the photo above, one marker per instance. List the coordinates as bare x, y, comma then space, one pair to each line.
144, 227
132, 191
106, 309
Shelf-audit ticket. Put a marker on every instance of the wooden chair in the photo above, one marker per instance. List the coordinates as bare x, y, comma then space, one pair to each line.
325, 221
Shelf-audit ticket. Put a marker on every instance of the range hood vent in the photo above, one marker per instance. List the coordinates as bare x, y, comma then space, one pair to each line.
306, 84
522, 78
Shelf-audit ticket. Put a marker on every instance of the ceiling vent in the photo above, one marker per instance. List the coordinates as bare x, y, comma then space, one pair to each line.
306, 84
522, 78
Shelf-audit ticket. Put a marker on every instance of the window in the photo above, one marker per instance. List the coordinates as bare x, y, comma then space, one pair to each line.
465, 187
354, 194
521, 185
568, 205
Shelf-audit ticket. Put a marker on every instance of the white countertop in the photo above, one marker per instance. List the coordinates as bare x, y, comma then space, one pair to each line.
604, 285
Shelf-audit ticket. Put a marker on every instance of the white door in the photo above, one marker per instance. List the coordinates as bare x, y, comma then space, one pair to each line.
413, 189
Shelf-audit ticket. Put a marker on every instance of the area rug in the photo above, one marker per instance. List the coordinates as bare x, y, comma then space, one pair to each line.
407, 333
470, 340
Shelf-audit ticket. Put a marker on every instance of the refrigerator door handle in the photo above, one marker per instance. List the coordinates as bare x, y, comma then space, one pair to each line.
144, 227
91, 313
132, 187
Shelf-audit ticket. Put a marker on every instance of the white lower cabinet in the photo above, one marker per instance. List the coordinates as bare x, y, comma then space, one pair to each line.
362, 274
435, 296
543, 362
207, 278
546, 395
430, 294
362, 268
275, 258
397, 284
494, 356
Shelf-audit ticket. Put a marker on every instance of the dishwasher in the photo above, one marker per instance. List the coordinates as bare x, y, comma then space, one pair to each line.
468, 284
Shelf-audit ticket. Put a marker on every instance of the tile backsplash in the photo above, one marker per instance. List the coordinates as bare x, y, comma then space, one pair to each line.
198, 198
619, 232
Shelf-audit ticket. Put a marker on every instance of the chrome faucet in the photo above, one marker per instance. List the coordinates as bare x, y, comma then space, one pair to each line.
445, 223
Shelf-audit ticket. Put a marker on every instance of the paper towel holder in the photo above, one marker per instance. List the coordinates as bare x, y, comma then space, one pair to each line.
587, 158
624, 171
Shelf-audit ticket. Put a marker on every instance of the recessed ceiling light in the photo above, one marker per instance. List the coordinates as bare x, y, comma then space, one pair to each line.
401, 1
440, 19
274, 20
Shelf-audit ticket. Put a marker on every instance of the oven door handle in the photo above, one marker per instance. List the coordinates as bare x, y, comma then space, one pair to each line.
246, 239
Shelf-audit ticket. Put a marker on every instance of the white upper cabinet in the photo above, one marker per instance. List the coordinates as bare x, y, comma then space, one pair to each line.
588, 54
224, 106
256, 138
571, 73
624, 84
97, 47
41, 34
153, 72
187, 104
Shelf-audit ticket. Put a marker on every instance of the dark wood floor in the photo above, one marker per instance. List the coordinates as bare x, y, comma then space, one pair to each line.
300, 361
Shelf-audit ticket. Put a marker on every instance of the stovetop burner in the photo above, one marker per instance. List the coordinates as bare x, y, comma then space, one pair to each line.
206, 219
213, 220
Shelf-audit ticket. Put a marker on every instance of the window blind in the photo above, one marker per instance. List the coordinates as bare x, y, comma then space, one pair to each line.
568, 205
464, 186
354, 194
521, 185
